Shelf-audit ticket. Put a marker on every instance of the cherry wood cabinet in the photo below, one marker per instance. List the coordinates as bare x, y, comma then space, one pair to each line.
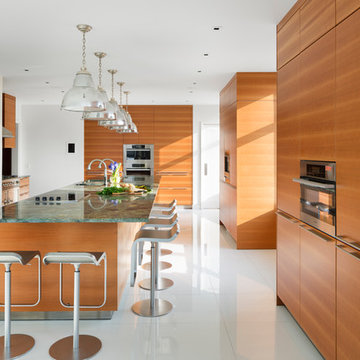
316, 18
288, 139
24, 188
288, 40
9, 119
348, 302
288, 263
317, 289
317, 100
347, 127
345, 7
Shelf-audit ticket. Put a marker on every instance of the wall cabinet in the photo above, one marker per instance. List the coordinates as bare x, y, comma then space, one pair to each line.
345, 7
316, 18
9, 119
348, 300
347, 127
288, 263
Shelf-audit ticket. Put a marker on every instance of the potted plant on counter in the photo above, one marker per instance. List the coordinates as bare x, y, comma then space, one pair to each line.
117, 173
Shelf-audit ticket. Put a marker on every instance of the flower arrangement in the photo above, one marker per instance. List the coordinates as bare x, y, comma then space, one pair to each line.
117, 172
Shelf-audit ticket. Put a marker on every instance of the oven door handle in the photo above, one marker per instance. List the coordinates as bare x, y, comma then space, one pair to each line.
315, 184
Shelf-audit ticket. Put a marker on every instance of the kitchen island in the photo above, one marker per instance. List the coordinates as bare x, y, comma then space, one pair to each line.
73, 218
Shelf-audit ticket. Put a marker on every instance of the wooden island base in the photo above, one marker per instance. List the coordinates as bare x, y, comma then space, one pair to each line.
113, 238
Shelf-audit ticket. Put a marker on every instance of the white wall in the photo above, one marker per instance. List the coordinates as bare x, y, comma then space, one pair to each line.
43, 133
206, 114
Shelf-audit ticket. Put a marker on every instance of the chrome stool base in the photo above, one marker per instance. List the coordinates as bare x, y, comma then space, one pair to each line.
143, 308
63, 348
163, 252
20, 344
163, 265
163, 284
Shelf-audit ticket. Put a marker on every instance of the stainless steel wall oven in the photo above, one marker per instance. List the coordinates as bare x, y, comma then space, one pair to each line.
138, 159
318, 194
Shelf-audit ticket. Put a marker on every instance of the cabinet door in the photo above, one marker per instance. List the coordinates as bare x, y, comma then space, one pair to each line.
348, 301
288, 40
316, 18
143, 117
347, 127
288, 139
317, 100
288, 263
345, 7
317, 289
9, 121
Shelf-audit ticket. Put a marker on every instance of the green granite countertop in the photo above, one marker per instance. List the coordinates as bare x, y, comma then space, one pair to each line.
88, 206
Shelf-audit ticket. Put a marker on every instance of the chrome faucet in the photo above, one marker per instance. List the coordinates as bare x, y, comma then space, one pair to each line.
101, 162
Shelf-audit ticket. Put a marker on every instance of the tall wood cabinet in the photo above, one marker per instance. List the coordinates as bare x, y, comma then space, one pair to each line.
247, 132
9, 119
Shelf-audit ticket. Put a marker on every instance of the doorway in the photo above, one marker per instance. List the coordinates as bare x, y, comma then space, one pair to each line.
210, 152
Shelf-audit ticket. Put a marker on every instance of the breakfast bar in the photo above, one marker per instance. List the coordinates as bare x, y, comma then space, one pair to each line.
73, 218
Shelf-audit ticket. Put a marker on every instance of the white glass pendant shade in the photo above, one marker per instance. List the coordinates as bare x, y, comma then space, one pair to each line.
83, 96
108, 114
120, 119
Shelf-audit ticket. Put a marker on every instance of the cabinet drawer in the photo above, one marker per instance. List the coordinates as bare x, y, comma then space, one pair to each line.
183, 195
317, 289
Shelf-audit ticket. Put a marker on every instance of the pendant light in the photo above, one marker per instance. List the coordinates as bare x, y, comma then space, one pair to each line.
110, 109
83, 96
120, 117
132, 126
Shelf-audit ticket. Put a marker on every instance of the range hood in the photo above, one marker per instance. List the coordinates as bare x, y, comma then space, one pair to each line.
6, 133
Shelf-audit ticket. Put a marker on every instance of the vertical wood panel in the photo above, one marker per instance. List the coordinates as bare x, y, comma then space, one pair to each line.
9, 119
345, 7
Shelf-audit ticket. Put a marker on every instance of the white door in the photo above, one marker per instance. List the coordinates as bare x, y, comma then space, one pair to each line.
210, 149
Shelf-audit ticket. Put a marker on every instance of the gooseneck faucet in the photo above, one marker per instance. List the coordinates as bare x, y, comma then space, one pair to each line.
101, 162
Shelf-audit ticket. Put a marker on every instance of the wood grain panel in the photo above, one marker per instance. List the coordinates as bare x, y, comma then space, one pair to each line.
9, 119
317, 291
288, 40
256, 174
348, 300
228, 94
288, 264
317, 100
347, 127
228, 211
345, 7
289, 14
288, 139
256, 86
316, 18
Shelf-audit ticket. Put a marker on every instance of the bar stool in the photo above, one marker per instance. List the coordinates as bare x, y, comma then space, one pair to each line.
77, 346
160, 283
152, 307
12, 346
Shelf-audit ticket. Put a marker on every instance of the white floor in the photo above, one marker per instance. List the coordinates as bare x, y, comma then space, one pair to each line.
224, 307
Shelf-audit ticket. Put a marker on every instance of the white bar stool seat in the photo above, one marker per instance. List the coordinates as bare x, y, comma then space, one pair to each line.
77, 346
15, 345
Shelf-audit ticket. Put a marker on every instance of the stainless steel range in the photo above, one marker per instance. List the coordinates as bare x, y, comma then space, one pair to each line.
138, 159
10, 190
318, 195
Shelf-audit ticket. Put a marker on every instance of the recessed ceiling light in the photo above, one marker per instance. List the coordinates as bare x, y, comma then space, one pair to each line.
42, 100
217, 28
194, 83
206, 54
190, 91
199, 71
47, 82
26, 69
62, 91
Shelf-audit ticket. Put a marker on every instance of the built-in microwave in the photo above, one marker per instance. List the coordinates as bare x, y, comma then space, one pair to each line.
318, 194
138, 159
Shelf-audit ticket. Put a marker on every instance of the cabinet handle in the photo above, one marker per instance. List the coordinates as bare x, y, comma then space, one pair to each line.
173, 188
353, 244
317, 233
205, 169
354, 254
287, 217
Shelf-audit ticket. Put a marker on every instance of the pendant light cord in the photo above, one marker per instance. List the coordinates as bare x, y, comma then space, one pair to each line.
83, 53
112, 85
100, 72
121, 86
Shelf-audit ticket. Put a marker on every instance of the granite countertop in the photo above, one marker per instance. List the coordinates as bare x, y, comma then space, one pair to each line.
87, 206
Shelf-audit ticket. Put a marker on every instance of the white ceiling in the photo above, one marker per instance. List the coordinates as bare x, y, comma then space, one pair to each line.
157, 45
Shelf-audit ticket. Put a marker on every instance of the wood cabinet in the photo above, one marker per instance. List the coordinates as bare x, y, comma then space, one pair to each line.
317, 289
348, 300
288, 263
345, 7
316, 18
9, 119
347, 127
317, 100
288, 139
247, 136
288, 40
24, 188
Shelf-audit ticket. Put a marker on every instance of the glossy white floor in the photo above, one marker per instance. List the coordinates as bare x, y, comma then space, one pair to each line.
224, 307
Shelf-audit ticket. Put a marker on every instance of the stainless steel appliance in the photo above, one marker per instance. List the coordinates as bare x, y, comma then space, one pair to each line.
318, 194
138, 159
10, 190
